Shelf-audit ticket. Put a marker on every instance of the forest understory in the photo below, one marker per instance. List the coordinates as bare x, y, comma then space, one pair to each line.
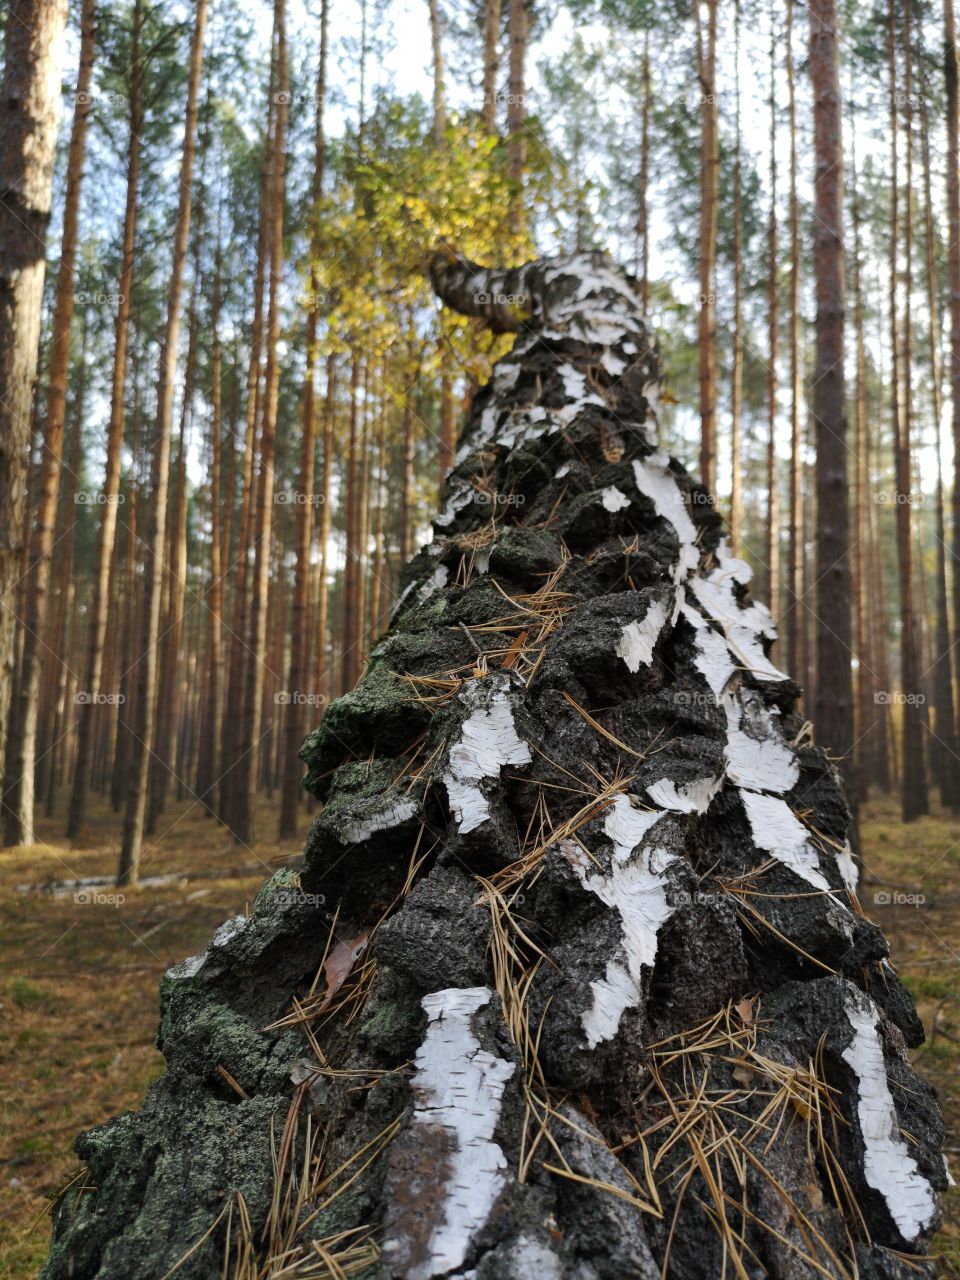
71, 1061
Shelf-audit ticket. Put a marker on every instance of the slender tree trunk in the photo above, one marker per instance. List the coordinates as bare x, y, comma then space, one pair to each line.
834, 700
22, 731
245, 799
322, 639
707, 241
59, 648
944, 745
736, 390
141, 731
86, 711
913, 777
518, 30
491, 64
237, 658
209, 736
795, 511
643, 183
297, 679
350, 667
439, 109
28, 137
864, 708
951, 70
772, 539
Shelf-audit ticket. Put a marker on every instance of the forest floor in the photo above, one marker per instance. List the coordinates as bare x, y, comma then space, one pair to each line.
78, 981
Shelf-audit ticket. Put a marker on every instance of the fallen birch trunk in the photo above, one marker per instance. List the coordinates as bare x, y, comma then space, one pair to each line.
574, 982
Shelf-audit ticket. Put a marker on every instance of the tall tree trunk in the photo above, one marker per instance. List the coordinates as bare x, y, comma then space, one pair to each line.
706, 45
22, 731
237, 657
944, 745
792, 605
60, 654
99, 605
834, 700
518, 31
349, 665
322, 639
772, 529
210, 729
864, 707
436, 47
736, 389
643, 182
300, 640
30, 91
141, 729
913, 776
491, 64
951, 71
242, 824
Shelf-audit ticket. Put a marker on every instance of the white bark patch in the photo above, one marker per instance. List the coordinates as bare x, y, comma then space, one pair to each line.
626, 826
459, 1086
741, 627
436, 580
713, 654
637, 890
614, 499
488, 741
777, 831
849, 872
759, 760
357, 832
637, 639
888, 1165
685, 797
656, 481
612, 996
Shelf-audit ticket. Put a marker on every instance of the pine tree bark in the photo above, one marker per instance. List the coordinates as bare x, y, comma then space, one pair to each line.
106, 537
300, 639
772, 526
518, 32
18, 790
142, 725
951, 72
913, 797
944, 758
792, 601
491, 64
706, 50
834, 696
30, 90
243, 816
736, 388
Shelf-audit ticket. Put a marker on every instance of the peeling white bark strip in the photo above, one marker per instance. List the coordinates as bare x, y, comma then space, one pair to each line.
488, 741
888, 1165
459, 1086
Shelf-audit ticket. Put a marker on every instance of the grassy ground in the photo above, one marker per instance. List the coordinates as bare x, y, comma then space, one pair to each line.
79, 982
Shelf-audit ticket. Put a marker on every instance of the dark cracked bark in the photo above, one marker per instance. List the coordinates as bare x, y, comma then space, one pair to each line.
597, 998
